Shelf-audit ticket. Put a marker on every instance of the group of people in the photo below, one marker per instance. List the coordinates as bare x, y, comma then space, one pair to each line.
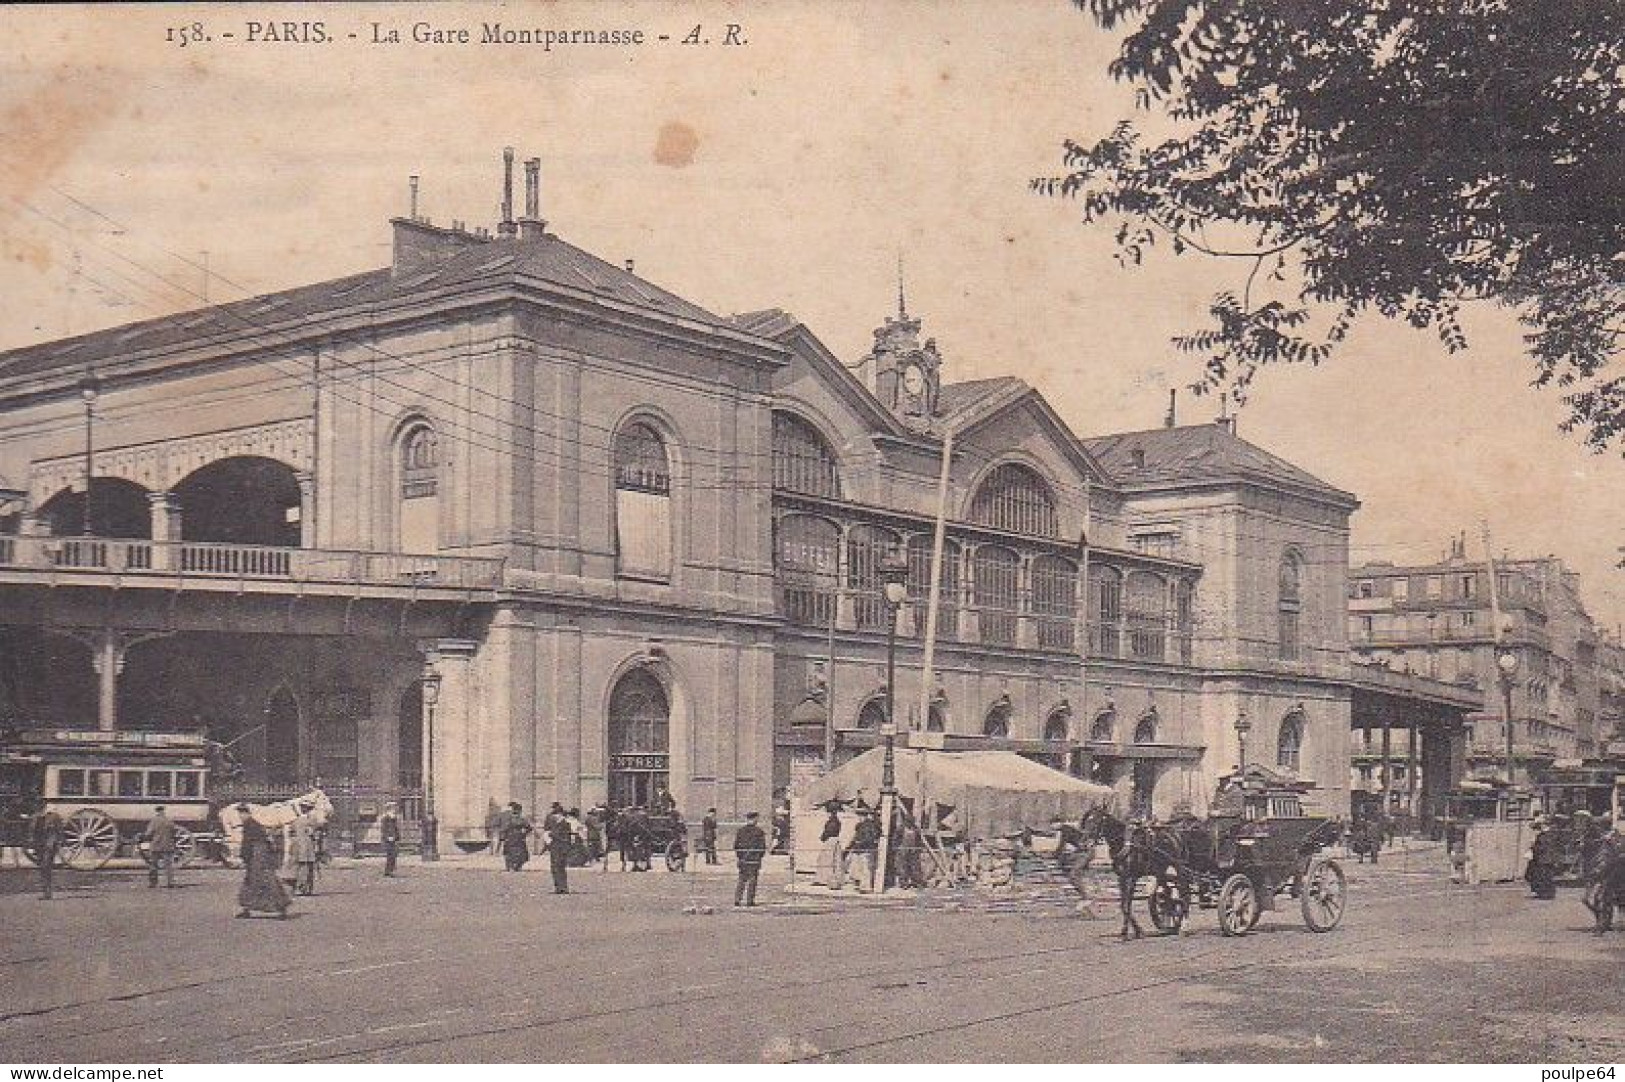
857, 860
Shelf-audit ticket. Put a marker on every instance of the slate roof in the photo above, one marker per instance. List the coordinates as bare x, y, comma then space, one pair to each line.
954, 399
767, 323
1206, 452
495, 262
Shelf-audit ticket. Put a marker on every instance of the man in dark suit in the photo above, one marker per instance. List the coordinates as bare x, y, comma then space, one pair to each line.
560, 839
389, 832
160, 839
708, 835
47, 845
750, 847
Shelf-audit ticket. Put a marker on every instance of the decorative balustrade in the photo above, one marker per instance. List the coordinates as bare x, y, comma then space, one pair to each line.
207, 560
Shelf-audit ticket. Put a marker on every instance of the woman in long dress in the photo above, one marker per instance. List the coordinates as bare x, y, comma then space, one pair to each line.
262, 891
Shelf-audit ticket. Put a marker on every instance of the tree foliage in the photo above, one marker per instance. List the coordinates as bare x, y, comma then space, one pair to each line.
1399, 156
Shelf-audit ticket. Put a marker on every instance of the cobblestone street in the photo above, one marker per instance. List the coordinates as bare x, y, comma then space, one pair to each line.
458, 961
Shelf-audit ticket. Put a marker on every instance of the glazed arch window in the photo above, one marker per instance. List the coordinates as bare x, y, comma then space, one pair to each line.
642, 503
803, 461
1289, 745
419, 503
1104, 729
1015, 499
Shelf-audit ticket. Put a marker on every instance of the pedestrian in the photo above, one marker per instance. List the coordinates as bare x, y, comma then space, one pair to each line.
389, 832
515, 830
496, 822
560, 838
781, 827
865, 846
637, 841
750, 848
302, 855
831, 868
47, 834
160, 840
596, 850
580, 854
708, 835
261, 890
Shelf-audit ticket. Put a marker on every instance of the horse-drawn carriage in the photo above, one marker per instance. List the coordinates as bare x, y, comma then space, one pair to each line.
106, 787
639, 835
1257, 847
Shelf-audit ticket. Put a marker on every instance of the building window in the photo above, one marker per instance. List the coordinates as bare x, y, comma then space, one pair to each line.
808, 552
936, 716
919, 588
1289, 605
1184, 617
1469, 587
1055, 600
1147, 616
419, 517
1015, 499
1145, 730
1289, 744
1058, 725
642, 503
1164, 543
873, 714
867, 547
998, 719
802, 460
1435, 587
1106, 610
1468, 619
1367, 627
1104, 728
1366, 588
1402, 589
996, 586
639, 740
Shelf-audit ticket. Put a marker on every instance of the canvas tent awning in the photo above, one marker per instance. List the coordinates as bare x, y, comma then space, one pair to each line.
993, 793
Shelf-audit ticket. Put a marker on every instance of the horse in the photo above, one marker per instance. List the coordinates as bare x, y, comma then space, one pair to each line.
1138, 850
273, 817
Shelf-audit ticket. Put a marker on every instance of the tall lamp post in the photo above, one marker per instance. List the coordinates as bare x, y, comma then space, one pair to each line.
894, 580
430, 849
1507, 662
89, 388
1243, 727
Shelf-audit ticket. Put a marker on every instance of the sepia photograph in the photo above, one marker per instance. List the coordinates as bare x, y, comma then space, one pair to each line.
743, 532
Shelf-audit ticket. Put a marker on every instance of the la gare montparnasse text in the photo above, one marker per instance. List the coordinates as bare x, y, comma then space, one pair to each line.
424, 33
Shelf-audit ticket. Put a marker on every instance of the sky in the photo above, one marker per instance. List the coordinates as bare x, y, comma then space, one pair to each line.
789, 171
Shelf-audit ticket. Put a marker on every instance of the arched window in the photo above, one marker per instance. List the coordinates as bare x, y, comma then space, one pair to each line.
1105, 611
802, 461
867, 548
639, 739
1145, 730
1147, 605
1104, 728
997, 722
997, 588
1290, 605
1289, 745
808, 554
1055, 600
1016, 499
419, 518
1058, 726
642, 503
1184, 617
936, 716
919, 585
873, 713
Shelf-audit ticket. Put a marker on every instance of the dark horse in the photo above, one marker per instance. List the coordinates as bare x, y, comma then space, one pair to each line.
1140, 850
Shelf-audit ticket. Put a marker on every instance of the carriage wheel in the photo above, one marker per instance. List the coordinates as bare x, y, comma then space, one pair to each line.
1322, 895
185, 849
89, 840
676, 856
1167, 906
1238, 905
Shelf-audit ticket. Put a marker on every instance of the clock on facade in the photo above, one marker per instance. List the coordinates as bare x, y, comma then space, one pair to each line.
914, 380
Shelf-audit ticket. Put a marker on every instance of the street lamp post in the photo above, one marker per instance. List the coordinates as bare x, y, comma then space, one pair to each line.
89, 388
1243, 727
430, 848
894, 578
1507, 662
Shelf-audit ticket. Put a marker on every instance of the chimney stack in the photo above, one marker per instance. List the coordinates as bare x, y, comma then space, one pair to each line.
507, 227
412, 184
1168, 421
531, 226
631, 267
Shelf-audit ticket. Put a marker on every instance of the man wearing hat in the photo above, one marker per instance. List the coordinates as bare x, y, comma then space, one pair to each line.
160, 839
750, 848
389, 832
865, 847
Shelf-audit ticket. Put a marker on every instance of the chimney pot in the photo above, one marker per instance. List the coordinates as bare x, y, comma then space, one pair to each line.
412, 183
630, 266
507, 226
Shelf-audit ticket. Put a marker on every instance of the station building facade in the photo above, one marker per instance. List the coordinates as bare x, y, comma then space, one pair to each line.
637, 545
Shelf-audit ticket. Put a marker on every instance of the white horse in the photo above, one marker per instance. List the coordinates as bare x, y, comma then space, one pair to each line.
273, 817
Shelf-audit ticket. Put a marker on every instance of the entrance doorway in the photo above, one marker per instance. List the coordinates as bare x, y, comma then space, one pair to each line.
639, 740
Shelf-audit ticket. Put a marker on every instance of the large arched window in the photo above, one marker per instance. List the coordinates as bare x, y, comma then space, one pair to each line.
1289, 744
802, 461
1147, 605
1105, 611
997, 722
808, 553
1058, 726
1104, 728
919, 585
997, 588
639, 739
642, 503
867, 547
1055, 599
1016, 499
418, 520
873, 713
1290, 605
240, 500
1145, 730
936, 715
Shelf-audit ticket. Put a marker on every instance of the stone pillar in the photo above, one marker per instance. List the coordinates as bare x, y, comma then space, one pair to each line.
307, 509
166, 528
107, 659
448, 738
1412, 735
1387, 770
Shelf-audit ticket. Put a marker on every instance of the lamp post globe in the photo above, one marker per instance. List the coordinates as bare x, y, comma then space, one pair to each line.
430, 685
1507, 662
